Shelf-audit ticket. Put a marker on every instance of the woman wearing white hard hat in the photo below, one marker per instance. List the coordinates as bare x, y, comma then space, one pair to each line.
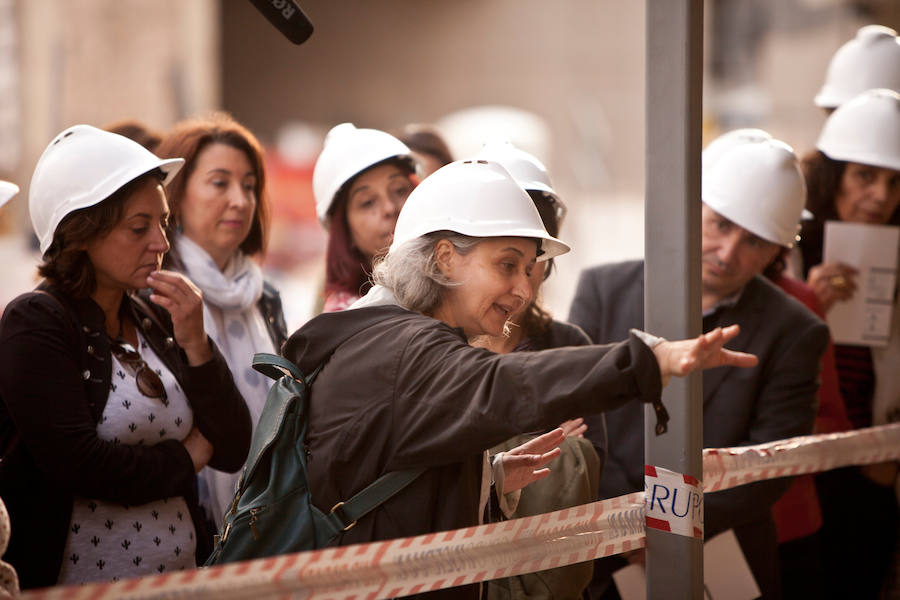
854, 176
360, 181
400, 387
111, 401
575, 475
218, 228
870, 60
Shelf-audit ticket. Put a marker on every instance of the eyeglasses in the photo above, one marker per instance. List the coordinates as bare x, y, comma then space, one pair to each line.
148, 382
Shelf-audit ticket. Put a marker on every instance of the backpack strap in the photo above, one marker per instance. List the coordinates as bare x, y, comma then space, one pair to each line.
275, 367
344, 515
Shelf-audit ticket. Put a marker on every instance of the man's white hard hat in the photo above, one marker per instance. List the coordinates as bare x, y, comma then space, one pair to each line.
759, 186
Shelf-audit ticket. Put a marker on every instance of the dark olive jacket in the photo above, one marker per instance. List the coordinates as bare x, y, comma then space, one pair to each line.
400, 390
55, 370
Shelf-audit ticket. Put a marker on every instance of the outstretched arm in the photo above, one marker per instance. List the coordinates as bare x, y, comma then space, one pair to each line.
682, 357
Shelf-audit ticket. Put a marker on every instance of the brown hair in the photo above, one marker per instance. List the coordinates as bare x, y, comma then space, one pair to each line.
346, 269
66, 264
137, 131
778, 264
426, 140
536, 320
189, 138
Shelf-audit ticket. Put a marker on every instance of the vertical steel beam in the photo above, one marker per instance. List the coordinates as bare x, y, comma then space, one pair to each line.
672, 268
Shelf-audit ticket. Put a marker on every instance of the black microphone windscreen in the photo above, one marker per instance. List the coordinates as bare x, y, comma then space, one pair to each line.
287, 17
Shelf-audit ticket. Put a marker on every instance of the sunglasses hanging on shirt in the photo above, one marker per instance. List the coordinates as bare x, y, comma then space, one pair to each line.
148, 382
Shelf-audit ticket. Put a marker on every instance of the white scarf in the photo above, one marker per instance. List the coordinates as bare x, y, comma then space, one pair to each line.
234, 323
378, 295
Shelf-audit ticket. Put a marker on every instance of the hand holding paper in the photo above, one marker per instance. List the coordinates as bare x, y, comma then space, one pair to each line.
863, 318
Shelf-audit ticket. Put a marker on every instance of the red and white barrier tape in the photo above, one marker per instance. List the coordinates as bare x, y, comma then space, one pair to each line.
440, 560
404, 566
675, 501
725, 468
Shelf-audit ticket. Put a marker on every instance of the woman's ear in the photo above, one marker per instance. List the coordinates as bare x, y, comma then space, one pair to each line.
445, 257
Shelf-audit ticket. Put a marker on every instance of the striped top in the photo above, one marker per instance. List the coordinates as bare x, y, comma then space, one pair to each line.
857, 380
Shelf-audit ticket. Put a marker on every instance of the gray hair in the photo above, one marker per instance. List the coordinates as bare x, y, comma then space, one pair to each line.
411, 272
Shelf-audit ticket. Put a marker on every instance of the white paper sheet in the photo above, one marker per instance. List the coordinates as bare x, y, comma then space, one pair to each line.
865, 319
630, 581
725, 570
725, 573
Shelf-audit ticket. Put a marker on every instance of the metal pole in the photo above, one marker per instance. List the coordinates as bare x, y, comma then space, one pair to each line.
672, 267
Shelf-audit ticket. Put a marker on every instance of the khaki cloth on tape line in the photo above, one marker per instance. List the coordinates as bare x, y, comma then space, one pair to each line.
573, 480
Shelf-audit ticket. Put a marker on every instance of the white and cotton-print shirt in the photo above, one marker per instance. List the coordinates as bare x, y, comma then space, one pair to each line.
109, 541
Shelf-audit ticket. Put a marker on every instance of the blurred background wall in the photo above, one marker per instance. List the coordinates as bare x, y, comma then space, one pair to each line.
575, 69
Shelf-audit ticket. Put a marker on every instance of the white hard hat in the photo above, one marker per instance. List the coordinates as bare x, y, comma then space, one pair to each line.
760, 187
725, 142
81, 167
865, 130
528, 171
7, 191
348, 152
476, 198
870, 60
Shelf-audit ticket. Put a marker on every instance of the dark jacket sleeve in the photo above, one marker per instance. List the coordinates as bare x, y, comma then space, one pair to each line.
452, 400
786, 407
220, 412
43, 391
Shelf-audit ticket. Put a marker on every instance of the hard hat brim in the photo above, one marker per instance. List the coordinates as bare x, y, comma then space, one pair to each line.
169, 167
8, 190
550, 246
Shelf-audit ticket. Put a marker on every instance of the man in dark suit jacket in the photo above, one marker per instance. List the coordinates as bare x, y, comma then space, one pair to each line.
774, 400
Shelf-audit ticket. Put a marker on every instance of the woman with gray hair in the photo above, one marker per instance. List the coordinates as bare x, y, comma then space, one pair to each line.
401, 388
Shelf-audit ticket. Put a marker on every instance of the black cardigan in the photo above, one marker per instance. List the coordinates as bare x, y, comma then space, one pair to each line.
55, 369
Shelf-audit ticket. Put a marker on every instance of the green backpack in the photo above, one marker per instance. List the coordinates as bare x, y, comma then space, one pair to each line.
272, 512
